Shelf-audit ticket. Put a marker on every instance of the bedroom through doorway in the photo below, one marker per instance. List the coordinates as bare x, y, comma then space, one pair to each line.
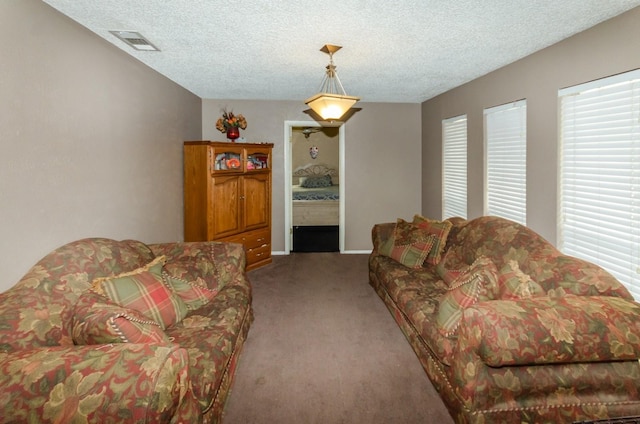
314, 191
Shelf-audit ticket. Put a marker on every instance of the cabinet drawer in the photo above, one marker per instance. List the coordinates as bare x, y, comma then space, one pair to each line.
252, 239
258, 238
257, 246
258, 254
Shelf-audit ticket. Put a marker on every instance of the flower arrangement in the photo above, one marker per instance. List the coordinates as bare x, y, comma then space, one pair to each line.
229, 120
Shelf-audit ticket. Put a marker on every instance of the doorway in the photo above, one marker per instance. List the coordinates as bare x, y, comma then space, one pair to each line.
314, 187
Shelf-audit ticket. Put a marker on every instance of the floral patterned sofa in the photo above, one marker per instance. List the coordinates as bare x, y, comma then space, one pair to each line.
78, 345
507, 327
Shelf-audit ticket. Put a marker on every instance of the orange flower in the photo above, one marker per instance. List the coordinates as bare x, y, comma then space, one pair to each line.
228, 119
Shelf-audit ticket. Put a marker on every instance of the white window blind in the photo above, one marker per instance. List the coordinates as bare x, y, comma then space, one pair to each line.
454, 167
600, 175
506, 161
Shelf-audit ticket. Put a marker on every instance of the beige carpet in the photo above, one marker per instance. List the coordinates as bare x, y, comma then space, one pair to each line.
324, 349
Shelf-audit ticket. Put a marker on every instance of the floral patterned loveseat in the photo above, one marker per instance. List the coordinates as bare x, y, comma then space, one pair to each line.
508, 328
71, 352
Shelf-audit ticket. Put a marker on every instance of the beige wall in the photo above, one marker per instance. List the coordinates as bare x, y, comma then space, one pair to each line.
90, 139
606, 49
382, 160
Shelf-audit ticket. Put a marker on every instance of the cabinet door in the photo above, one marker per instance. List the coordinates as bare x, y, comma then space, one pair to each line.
225, 207
257, 200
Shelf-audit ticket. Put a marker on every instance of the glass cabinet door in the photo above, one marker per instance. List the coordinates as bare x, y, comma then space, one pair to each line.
227, 159
258, 159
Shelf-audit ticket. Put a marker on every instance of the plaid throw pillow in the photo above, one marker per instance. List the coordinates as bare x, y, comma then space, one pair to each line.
144, 291
96, 320
477, 284
440, 231
408, 245
193, 293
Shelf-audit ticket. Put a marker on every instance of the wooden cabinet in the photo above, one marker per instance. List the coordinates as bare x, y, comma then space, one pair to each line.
227, 195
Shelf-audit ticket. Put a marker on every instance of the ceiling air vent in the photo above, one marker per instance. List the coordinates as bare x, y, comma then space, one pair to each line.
135, 40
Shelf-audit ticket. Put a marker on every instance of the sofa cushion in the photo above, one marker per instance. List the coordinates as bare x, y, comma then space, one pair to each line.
515, 284
144, 290
210, 335
440, 230
193, 293
418, 295
96, 320
561, 330
408, 245
476, 284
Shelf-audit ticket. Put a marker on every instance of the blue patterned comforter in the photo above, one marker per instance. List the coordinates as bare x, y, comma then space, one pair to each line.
323, 193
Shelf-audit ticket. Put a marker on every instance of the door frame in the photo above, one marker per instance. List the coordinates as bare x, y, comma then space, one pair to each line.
288, 175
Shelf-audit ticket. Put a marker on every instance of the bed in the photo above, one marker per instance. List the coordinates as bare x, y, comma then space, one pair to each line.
316, 196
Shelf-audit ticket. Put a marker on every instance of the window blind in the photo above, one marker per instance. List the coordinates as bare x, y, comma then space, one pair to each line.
599, 204
506, 161
454, 167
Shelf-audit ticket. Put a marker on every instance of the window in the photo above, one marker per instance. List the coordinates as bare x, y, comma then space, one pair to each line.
506, 161
454, 167
599, 215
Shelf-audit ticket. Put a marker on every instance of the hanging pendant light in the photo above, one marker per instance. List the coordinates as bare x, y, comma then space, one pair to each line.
332, 102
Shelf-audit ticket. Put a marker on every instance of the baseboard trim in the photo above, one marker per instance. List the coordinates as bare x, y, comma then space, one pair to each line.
346, 252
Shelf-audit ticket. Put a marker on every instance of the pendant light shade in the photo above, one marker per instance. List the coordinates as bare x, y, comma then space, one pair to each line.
332, 102
331, 107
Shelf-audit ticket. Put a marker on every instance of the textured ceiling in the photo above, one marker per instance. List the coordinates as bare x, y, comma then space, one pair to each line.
393, 51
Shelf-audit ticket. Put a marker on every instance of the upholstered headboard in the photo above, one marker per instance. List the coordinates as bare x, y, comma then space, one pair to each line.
315, 170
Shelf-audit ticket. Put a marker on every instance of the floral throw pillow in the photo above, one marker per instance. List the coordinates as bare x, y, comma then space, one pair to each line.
476, 284
144, 291
198, 267
440, 231
515, 284
409, 245
96, 320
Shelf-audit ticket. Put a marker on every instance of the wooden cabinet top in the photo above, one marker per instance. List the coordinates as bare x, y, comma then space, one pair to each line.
226, 157
226, 143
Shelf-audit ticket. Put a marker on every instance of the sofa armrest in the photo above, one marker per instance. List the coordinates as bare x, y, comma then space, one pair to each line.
381, 233
545, 330
98, 383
